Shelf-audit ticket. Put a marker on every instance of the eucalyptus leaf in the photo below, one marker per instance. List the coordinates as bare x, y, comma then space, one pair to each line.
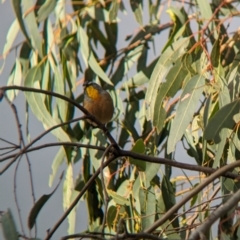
45, 9
171, 54
39, 205
31, 23
224, 118
176, 75
118, 199
139, 147
9, 226
37, 104
137, 10
185, 110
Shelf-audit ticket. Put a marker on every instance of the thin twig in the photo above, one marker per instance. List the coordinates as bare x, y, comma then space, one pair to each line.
5, 148
149, 136
200, 231
70, 144
205, 204
36, 139
123, 236
82, 236
15, 196
206, 170
195, 191
4, 140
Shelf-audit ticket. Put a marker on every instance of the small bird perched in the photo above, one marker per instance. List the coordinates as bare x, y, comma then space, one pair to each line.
98, 102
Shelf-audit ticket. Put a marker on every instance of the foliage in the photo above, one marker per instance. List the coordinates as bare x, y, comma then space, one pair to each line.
185, 94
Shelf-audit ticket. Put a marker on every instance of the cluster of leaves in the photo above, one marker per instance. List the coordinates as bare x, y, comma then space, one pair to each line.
188, 93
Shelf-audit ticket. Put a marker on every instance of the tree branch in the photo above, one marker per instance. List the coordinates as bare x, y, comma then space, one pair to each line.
172, 163
231, 203
74, 103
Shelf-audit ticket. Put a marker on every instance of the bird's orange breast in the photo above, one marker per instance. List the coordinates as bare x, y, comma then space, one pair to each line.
92, 92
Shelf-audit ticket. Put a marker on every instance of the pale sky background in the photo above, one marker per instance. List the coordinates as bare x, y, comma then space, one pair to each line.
41, 160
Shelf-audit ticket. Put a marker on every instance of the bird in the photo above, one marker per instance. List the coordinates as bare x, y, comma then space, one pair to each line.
97, 102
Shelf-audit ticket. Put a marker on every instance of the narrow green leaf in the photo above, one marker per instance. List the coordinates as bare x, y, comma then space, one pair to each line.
119, 73
67, 187
125, 65
46, 9
224, 95
98, 13
39, 204
50, 38
138, 147
123, 189
136, 6
224, 118
168, 194
57, 162
227, 187
97, 139
227, 9
215, 54
142, 61
148, 175
79, 183
192, 151
205, 9
118, 199
113, 11
111, 216
236, 141
37, 104
25, 53
206, 12
11, 36
60, 11
179, 21
31, 23
112, 31
17, 6
141, 77
207, 110
148, 206
223, 134
59, 87
132, 57
233, 78
89, 57
9, 226
169, 88
68, 193
219, 73
195, 197
189, 100
15, 79
98, 36
170, 56
130, 118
